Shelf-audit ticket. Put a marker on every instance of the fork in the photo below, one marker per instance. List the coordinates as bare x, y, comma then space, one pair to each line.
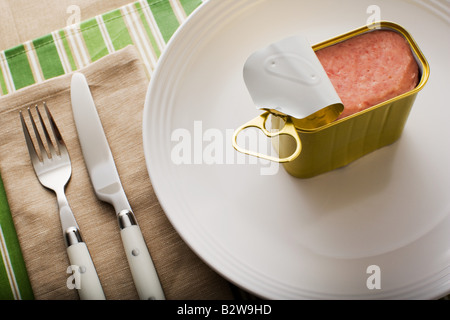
53, 169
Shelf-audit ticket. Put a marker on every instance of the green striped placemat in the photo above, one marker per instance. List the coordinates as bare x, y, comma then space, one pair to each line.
147, 24
14, 283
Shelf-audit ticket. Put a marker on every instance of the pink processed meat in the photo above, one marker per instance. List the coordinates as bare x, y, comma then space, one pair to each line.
369, 69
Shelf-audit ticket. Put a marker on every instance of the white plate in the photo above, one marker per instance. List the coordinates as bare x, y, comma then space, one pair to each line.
285, 238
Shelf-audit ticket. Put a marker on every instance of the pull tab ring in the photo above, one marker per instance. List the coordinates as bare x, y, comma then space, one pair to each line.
260, 123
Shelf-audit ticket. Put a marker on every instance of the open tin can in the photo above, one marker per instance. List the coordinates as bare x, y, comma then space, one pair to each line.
318, 142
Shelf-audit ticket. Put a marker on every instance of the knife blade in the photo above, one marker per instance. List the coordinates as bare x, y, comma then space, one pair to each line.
108, 188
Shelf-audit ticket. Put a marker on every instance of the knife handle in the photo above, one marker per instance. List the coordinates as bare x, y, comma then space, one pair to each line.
141, 265
86, 278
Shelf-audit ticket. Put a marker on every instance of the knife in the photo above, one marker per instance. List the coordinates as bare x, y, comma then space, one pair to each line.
108, 188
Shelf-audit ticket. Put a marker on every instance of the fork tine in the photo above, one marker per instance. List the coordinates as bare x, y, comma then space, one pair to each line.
31, 149
44, 154
44, 129
56, 134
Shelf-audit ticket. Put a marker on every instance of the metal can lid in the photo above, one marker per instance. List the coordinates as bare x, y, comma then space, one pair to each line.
287, 77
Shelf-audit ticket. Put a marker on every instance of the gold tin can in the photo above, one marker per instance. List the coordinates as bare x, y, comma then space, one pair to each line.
307, 149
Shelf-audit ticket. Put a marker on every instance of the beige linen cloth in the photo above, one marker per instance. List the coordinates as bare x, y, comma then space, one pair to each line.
118, 83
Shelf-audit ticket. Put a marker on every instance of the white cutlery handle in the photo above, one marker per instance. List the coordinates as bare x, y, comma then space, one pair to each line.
89, 286
142, 268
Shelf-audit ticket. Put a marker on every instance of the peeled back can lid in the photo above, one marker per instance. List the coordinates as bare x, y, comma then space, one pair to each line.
287, 77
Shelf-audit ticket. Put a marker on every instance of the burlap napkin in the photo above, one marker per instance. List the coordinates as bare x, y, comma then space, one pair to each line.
118, 83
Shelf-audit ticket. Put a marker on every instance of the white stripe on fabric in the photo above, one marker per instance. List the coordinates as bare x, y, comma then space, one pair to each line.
73, 47
153, 25
178, 10
62, 52
76, 44
34, 62
136, 40
7, 73
105, 34
8, 266
143, 35
79, 40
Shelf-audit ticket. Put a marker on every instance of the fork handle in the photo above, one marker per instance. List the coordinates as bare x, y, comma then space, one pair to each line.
88, 283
